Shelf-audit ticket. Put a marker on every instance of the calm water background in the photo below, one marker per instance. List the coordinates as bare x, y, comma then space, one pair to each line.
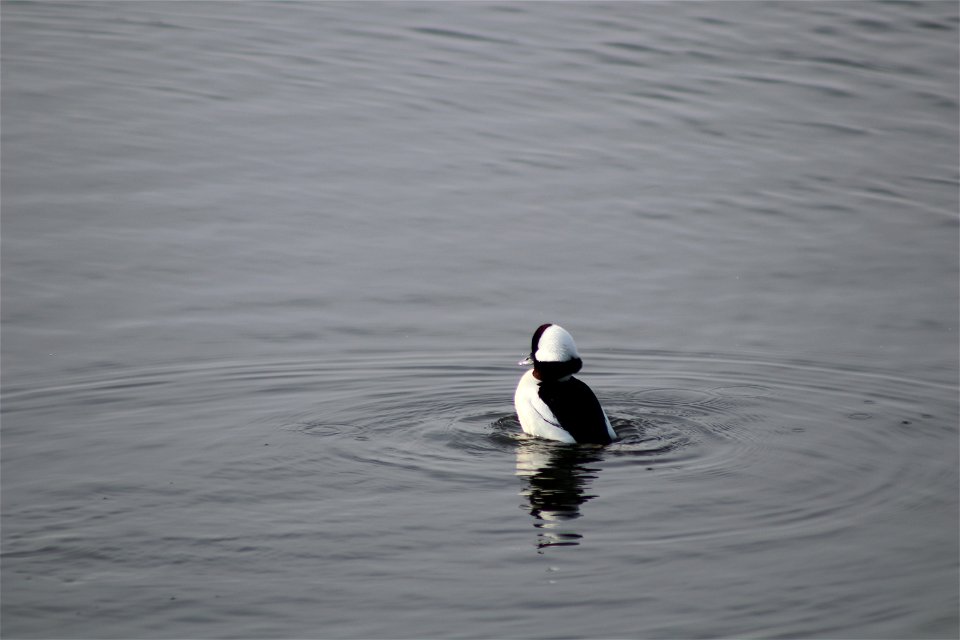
267, 268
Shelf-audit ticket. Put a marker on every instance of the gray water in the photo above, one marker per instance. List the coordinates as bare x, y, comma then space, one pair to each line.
268, 267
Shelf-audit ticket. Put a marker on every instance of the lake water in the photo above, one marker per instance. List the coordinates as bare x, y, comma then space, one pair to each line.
268, 269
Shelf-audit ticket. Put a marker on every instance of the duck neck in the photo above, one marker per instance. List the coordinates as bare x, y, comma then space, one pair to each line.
556, 371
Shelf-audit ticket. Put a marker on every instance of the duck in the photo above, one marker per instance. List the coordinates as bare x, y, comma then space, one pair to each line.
550, 402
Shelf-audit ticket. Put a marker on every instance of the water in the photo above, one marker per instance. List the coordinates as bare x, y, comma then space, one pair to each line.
267, 269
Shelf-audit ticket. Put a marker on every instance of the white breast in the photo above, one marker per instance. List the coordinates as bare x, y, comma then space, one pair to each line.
536, 418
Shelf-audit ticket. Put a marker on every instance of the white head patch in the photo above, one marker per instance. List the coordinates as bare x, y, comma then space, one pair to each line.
556, 345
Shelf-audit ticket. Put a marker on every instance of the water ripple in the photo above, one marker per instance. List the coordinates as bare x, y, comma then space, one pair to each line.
831, 443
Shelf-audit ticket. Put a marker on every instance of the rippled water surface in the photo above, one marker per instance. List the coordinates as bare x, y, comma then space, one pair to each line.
267, 268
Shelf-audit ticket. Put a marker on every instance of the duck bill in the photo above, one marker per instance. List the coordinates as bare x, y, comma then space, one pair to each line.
526, 361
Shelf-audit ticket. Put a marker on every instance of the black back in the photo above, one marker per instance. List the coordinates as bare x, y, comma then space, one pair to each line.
577, 410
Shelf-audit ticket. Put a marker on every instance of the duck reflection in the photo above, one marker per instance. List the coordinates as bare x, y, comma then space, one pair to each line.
557, 477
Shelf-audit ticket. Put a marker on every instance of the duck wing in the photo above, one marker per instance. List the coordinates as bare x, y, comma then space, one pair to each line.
577, 410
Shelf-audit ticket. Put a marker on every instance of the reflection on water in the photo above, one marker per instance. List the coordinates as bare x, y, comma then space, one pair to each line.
557, 478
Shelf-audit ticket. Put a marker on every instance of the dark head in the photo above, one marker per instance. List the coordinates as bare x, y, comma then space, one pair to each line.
553, 353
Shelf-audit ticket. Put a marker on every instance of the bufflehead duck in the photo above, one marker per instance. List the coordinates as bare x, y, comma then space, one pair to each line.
550, 402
